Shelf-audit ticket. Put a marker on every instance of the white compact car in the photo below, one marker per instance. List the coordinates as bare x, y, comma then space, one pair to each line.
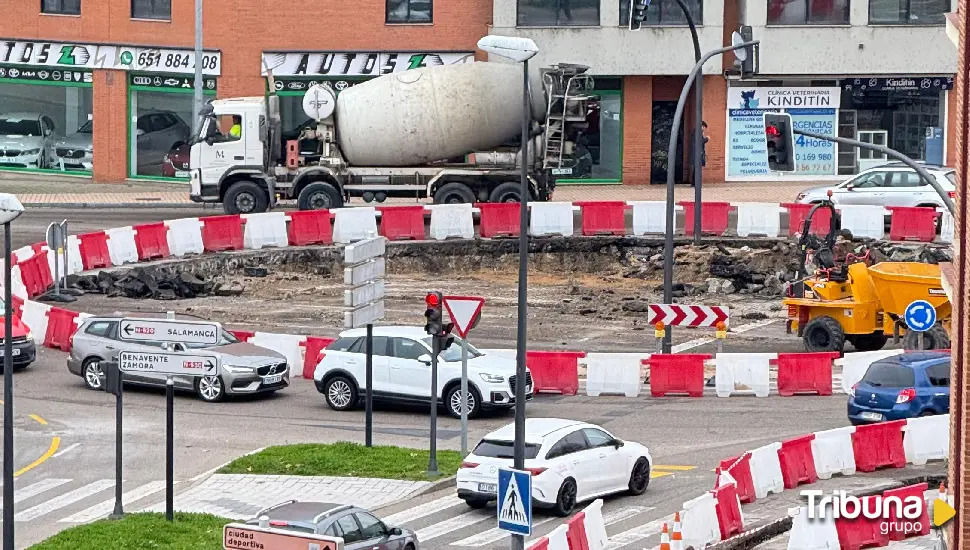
570, 462
893, 184
402, 372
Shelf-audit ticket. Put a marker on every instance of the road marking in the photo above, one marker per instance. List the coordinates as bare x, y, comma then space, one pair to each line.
636, 534
454, 524
38, 419
422, 510
655, 474
494, 535
66, 450
105, 508
64, 500
35, 489
55, 443
675, 468
698, 342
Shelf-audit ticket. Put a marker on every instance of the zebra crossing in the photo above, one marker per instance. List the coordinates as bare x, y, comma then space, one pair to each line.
72, 501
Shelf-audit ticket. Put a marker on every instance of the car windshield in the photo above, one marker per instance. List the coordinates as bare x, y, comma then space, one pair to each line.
494, 448
19, 127
452, 351
888, 375
225, 338
952, 178
88, 128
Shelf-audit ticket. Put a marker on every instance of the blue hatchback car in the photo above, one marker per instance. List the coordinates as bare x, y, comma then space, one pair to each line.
902, 386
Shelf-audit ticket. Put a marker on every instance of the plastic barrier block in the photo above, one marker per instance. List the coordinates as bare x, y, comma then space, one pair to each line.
34, 315
912, 224
698, 521
94, 250
650, 216
739, 468
555, 371
603, 217
576, 532
400, 223
75, 264
36, 275
551, 218
859, 532
879, 445
354, 224
805, 373
596, 537
556, 540
121, 245
821, 221
452, 221
758, 218
60, 328
614, 373
714, 217
310, 227
900, 527
864, 221
947, 226
498, 219
25, 253
926, 438
796, 461
18, 306
265, 229
832, 452
313, 352
242, 335
151, 240
18, 290
746, 369
855, 365
682, 373
728, 510
185, 236
290, 345
222, 233
818, 533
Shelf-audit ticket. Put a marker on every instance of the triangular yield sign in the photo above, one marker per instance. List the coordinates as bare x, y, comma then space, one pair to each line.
512, 510
463, 311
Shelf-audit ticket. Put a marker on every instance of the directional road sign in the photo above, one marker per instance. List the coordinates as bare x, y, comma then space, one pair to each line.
236, 536
515, 501
465, 311
178, 364
676, 315
365, 250
364, 294
356, 318
161, 330
920, 316
364, 273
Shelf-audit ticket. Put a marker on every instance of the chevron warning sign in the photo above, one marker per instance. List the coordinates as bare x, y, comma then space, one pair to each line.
677, 315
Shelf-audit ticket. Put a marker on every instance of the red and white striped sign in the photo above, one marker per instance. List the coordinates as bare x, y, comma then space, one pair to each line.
676, 315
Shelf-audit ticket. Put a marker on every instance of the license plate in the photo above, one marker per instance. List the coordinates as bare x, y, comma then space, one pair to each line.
275, 379
16, 352
871, 416
562, 171
487, 488
182, 174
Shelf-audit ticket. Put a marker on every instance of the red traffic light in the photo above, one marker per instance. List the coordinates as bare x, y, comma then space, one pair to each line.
432, 300
772, 131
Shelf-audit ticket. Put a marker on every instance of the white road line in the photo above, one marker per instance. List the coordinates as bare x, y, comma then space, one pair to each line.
66, 450
636, 534
495, 534
697, 342
454, 524
64, 500
404, 517
105, 508
35, 489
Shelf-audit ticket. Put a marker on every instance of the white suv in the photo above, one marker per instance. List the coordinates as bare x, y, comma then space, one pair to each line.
402, 372
893, 184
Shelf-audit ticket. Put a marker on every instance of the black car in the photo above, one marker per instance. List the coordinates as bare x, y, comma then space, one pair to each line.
359, 528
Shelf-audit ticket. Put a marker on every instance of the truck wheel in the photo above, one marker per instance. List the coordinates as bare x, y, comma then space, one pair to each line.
935, 338
506, 192
823, 334
245, 197
868, 342
454, 193
319, 196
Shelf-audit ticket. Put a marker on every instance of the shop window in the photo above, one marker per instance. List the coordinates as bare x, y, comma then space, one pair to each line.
665, 12
808, 12
151, 9
408, 11
61, 7
908, 12
599, 149
558, 13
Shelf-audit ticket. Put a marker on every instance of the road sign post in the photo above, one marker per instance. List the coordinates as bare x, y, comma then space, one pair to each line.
364, 302
920, 316
465, 312
514, 507
113, 385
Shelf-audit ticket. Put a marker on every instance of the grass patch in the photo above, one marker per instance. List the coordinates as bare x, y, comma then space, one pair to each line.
140, 531
344, 460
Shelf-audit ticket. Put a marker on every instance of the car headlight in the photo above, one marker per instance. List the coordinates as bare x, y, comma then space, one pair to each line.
30, 336
492, 378
236, 369
31, 152
89, 150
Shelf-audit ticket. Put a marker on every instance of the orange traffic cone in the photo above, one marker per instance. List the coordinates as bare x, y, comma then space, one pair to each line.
676, 539
665, 538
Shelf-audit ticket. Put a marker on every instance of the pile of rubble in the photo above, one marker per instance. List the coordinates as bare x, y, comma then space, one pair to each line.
151, 283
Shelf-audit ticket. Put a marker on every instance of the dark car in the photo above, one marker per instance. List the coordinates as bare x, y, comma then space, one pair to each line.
24, 350
902, 386
359, 528
175, 164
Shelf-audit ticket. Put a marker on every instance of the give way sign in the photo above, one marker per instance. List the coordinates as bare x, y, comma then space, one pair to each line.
465, 311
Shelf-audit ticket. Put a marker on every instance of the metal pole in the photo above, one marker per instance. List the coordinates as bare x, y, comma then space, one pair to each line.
119, 510
518, 451
433, 458
169, 449
57, 264
369, 391
672, 153
464, 395
919, 341
8, 541
199, 56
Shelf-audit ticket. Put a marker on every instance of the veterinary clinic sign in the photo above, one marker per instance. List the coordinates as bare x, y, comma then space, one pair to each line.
106, 56
741, 97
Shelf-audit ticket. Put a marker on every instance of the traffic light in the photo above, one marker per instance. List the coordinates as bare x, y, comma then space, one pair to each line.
638, 13
780, 142
433, 313
749, 60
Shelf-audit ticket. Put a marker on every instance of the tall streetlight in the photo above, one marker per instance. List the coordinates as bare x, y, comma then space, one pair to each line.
520, 50
10, 210
197, 99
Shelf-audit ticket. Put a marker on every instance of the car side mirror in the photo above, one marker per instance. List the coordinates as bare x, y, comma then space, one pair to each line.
139, 132
210, 140
617, 443
425, 358
850, 187
396, 531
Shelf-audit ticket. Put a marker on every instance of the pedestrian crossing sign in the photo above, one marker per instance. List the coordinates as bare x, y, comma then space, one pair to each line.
515, 501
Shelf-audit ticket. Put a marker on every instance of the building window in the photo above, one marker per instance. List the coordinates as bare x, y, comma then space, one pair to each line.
151, 9
558, 13
408, 11
908, 12
599, 148
664, 12
808, 12
61, 7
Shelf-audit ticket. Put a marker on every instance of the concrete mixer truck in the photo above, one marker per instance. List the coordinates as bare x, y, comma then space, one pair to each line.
451, 133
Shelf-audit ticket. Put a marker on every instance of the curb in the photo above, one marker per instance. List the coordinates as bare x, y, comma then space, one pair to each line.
104, 205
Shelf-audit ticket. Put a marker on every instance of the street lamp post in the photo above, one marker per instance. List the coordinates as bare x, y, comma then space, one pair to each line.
520, 50
10, 209
197, 98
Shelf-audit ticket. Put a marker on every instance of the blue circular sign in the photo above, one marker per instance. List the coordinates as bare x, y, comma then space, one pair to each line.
920, 316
